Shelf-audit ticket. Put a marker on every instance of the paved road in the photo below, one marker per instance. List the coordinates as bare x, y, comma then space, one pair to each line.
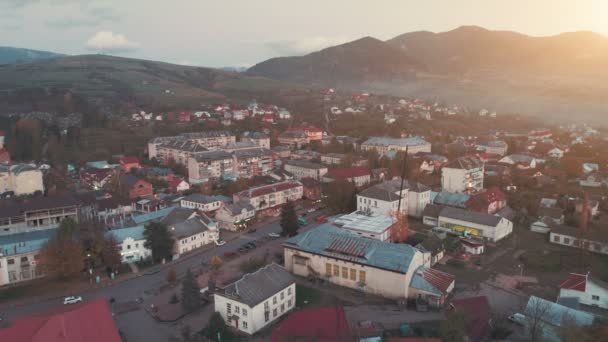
138, 325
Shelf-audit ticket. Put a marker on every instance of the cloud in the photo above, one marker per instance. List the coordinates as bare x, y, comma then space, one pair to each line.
91, 17
305, 45
109, 42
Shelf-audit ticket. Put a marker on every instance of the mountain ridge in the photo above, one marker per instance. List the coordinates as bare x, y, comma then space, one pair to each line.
11, 55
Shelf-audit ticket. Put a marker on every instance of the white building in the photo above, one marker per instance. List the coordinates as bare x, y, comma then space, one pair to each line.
383, 144
305, 169
585, 288
208, 166
258, 138
475, 224
22, 179
190, 230
235, 216
383, 198
19, 255
211, 140
371, 226
593, 241
463, 175
268, 196
201, 202
499, 147
395, 271
131, 243
556, 153
257, 299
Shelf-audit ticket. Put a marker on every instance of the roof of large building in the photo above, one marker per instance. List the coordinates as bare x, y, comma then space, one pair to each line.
25, 242
237, 208
184, 145
154, 215
86, 322
470, 216
450, 199
315, 324
386, 191
213, 155
203, 199
432, 210
207, 134
333, 242
256, 152
191, 226
306, 164
360, 221
557, 314
255, 135
386, 141
268, 189
348, 172
432, 281
178, 215
10, 208
254, 288
466, 163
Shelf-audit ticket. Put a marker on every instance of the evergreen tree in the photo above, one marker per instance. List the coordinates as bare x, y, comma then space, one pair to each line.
191, 293
216, 328
289, 220
158, 240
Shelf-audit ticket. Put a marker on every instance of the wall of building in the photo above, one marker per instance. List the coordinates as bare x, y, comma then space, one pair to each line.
132, 250
195, 241
19, 267
417, 201
502, 229
594, 295
460, 180
572, 241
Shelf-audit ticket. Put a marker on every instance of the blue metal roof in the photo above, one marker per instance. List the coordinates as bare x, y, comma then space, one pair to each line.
451, 199
331, 241
25, 242
121, 234
154, 215
557, 313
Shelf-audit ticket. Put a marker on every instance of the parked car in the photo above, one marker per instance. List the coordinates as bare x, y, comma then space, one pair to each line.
219, 242
72, 300
302, 221
311, 210
229, 255
274, 235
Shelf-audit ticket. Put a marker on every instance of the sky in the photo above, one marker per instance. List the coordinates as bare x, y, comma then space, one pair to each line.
240, 33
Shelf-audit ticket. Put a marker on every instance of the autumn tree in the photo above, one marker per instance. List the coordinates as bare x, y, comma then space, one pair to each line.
289, 219
191, 292
171, 276
341, 196
158, 240
452, 329
61, 257
400, 229
216, 264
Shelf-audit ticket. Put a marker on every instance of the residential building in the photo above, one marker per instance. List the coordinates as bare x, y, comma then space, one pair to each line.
257, 299
269, 196
135, 187
311, 133
339, 158
19, 255
432, 248
38, 213
393, 271
128, 163
464, 174
586, 289
305, 169
235, 216
383, 144
177, 184
21, 179
202, 202
418, 197
95, 179
211, 166
296, 138
499, 147
178, 151
521, 161
489, 201
480, 225
91, 321
556, 153
555, 214
260, 139
211, 140
253, 162
383, 198
593, 240
195, 232
370, 226
131, 243
360, 176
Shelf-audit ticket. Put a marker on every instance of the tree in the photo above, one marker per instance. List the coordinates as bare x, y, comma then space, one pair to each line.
400, 230
61, 257
68, 228
216, 264
452, 329
572, 332
537, 312
341, 197
216, 327
289, 219
191, 293
158, 240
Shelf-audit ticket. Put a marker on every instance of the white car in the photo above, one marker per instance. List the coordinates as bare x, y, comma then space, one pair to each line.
274, 235
72, 300
311, 210
220, 242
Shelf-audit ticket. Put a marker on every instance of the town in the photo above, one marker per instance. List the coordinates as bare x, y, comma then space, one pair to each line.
370, 218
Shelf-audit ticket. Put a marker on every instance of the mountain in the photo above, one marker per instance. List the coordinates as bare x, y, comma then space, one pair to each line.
10, 55
365, 59
111, 82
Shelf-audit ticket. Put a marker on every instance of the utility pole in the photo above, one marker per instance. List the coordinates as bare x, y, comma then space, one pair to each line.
402, 180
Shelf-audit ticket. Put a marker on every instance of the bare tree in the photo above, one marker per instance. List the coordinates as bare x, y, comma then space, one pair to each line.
538, 311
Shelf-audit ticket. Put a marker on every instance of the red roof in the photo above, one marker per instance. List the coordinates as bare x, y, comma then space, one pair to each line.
129, 160
174, 182
440, 280
577, 282
476, 311
305, 129
319, 324
348, 172
86, 322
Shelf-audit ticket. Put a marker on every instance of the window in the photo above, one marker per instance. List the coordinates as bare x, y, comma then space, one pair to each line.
362, 276
282, 295
289, 291
289, 303
556, 238
353, 274
567, 241
128, 246
282, 307
344, 272
575, 243
244, 325
274, 312
24, 259
336, 270
228, 308
136, 245
10, 261
266, 316
237, 310
244, 312
274, 300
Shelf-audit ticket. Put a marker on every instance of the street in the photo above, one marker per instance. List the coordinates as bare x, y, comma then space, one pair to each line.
138, 325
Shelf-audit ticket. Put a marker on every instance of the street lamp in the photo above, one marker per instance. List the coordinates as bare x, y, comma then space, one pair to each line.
90, 269
521, 270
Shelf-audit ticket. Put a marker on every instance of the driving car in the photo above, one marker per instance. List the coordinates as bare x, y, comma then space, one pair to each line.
274, 235
219, 242
72, 300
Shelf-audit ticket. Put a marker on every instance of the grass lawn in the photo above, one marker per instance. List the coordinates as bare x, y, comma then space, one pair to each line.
307, 296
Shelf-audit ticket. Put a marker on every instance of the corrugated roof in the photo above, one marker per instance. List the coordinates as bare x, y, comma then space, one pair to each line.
306, 164
466, 163
254, 288
191, 226
432, 281
25, 242
556, 314
470, 216
347, 246
386, 141
450, 199
154, 215
574, 281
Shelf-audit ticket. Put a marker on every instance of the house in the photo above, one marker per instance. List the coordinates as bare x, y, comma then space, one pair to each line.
586, 289
131, 243
430, 215
177, 184
556, 153
305, 169
470, 246
477, 317
311, 189
490, 201
128, 163
383, 198
498, 147
592, 180
433, 249
257, 299
339, 158
91, 321
372, 226
236, 216
390, 270
326, 324
202, 202
480, 225
360, 176
593, 240
211, 166
541, 226
19, 254
383, 144
38, 213
555, 214
311, 133
464, 174
260, 139
270, 196
298, 139
590, 167
135, 187
195, 232
521, 161
21, 179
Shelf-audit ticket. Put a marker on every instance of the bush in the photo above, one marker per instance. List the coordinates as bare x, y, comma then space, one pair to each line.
252, 265
174, 299
455, 263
